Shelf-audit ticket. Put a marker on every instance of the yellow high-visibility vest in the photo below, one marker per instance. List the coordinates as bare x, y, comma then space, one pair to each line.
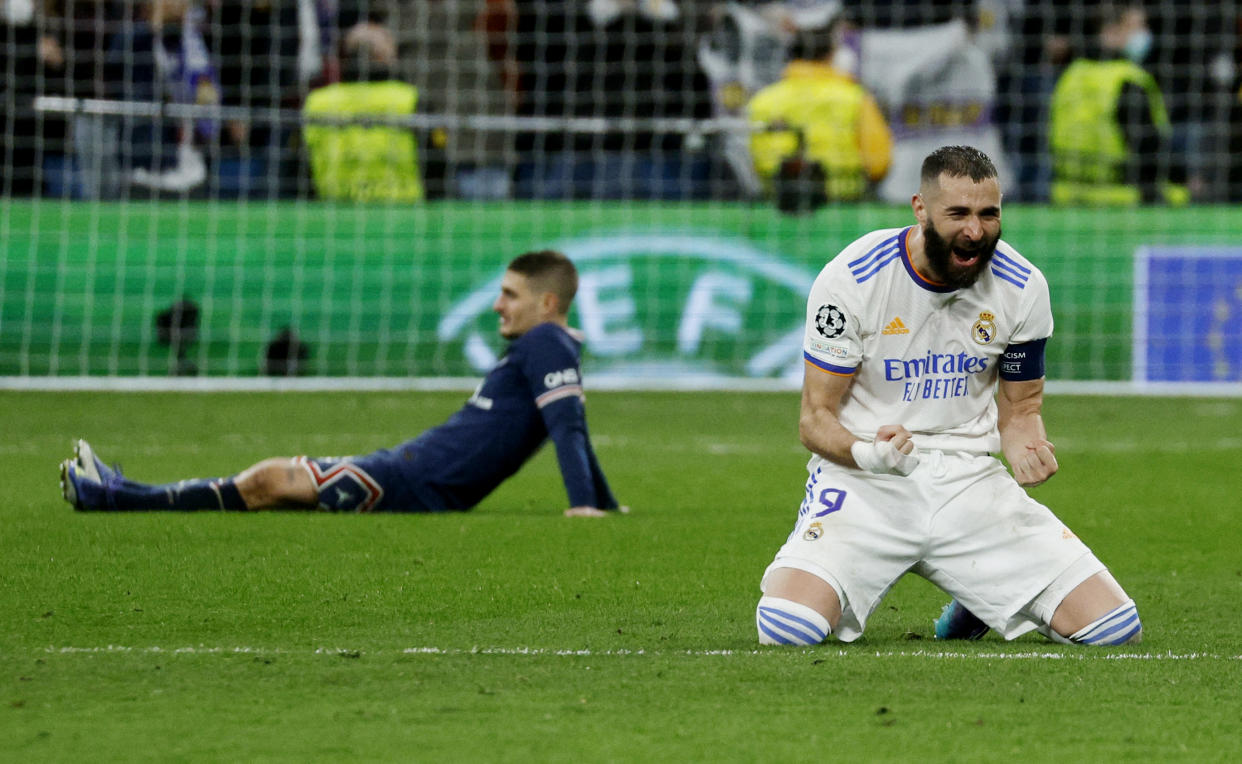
1089, 151
831, 111
362, 162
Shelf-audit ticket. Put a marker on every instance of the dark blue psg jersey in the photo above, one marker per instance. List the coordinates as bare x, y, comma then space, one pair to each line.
533, 392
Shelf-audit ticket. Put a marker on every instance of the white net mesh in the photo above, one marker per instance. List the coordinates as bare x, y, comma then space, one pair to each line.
177, 202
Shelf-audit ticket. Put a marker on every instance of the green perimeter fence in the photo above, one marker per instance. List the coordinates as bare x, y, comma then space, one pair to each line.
669, 290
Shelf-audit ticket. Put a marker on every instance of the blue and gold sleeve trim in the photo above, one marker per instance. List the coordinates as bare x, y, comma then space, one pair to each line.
824, 366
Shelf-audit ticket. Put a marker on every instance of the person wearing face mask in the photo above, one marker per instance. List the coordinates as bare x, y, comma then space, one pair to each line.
819, 114
1109, 128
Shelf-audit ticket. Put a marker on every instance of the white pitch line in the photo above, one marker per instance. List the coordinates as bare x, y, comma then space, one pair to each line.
1077, 655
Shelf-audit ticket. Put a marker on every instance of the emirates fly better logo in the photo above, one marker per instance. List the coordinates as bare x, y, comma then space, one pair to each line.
664, 308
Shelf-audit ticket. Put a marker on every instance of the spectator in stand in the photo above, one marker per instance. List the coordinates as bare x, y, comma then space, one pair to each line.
20, 144
1192, 59
1109, 129
1043, 45
929, 64
1233, 135
609, 60
820, 115
148, 52
256, 44
364, 162
743, 49
74, 37
440, 48
170, 35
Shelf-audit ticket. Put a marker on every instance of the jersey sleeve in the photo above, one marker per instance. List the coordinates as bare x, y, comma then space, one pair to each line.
1035, 316
551, 369
1023, 357
832, 340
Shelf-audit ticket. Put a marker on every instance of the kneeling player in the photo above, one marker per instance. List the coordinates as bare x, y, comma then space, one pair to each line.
924, 354
534, 392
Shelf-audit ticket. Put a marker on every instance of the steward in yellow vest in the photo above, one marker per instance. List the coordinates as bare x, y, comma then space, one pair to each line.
359, 161
826, 115
1109, 127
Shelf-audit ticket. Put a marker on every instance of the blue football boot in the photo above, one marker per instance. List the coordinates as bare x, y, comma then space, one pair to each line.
85, 494
956, 622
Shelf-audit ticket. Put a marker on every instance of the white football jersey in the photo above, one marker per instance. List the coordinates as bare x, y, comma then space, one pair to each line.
922, 355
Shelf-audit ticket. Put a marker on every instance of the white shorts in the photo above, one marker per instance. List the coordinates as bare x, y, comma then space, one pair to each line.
959, 520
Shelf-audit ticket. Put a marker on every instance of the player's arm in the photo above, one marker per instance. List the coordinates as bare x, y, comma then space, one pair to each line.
819, 427
551, 367
602, 491
588, 490
821, 431
1023, 438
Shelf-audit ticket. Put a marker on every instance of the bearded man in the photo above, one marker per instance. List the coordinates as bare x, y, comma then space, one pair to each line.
924, 351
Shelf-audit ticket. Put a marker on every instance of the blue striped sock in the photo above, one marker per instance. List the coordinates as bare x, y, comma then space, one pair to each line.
1117, 627
784, 622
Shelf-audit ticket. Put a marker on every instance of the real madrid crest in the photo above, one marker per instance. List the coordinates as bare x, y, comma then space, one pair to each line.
813, 531
984, 330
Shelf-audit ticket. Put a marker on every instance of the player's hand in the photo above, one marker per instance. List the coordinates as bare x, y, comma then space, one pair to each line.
595, 511
891, 453
1035, 464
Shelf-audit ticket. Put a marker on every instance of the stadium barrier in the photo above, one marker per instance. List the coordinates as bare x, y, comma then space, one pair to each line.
674, 296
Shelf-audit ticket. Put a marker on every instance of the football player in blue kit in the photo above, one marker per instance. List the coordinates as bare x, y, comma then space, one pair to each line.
534, 392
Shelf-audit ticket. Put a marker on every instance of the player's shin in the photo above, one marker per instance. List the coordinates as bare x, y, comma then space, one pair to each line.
785, 622
187, 495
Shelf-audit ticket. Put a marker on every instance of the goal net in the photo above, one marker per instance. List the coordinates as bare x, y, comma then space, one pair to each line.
235, 190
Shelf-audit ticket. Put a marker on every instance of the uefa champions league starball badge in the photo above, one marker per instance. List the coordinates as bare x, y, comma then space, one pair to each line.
830, 321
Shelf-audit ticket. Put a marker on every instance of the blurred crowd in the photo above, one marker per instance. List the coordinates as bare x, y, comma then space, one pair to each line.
803, 102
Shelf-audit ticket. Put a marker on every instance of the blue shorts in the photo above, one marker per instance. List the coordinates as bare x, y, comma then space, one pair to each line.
382, 481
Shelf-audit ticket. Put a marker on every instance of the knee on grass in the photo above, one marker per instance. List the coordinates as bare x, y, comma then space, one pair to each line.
1119, 626
274, 483
785, 622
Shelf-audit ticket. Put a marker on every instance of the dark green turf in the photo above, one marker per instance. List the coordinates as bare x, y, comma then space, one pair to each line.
512, 633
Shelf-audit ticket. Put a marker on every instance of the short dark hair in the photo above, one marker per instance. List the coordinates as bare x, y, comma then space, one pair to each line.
551, 272
818, 43
957, 162
1106, 14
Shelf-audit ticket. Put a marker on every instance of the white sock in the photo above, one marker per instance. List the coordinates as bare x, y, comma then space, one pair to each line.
785, 622
1117, 627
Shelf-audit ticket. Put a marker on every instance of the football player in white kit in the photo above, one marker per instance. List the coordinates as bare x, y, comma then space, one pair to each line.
924, 351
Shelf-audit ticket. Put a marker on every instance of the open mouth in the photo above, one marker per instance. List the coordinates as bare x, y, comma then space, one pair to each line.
965, 257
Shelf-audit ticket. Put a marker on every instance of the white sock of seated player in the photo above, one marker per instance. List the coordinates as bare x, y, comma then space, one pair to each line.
785, 622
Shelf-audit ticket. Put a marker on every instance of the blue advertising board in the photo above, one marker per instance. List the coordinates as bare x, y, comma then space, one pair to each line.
1188, 314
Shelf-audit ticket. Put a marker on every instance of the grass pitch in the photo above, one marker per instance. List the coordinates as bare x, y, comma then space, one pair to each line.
511, 633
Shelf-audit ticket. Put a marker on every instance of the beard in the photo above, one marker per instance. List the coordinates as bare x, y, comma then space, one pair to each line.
943, 264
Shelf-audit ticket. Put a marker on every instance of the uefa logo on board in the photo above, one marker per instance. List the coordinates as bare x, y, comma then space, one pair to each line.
665, 308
